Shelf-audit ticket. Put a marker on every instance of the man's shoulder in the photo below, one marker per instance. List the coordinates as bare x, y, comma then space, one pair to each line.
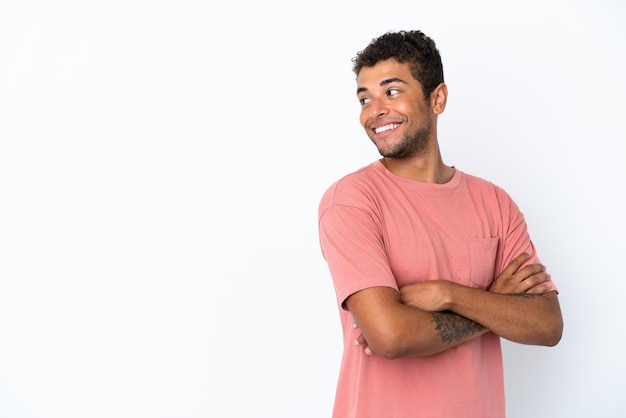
475, 181
357, 179
352, 186
481, 186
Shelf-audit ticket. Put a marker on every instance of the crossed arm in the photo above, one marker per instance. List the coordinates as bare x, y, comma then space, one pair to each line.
430, 317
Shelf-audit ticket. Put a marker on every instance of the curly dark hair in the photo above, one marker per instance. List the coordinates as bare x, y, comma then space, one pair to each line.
412, 47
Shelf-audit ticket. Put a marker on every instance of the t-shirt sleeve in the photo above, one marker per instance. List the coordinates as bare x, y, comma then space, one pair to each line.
517, 239
352, 244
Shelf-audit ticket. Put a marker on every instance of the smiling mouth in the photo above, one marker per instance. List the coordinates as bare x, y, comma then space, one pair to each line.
385, 128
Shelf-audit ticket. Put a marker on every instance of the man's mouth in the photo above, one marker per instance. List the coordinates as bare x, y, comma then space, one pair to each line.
379, 130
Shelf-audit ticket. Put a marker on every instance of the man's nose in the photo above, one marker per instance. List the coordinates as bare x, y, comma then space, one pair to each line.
378, 108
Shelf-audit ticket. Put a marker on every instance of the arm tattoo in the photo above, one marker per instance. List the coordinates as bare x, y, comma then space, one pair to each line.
452, 327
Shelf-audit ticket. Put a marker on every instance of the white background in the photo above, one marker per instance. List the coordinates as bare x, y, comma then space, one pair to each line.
161, 164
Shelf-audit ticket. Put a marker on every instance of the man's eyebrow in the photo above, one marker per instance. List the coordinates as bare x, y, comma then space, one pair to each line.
392, 80
383, 83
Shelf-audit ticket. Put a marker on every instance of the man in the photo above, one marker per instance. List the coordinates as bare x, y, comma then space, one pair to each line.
431, 266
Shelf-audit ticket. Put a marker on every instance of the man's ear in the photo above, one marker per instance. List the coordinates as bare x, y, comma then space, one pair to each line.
439, 98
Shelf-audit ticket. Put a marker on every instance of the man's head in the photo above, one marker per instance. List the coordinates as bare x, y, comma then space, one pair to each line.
407, 47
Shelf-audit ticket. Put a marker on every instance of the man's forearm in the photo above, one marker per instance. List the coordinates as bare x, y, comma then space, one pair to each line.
453, 328
522, 318
436, 332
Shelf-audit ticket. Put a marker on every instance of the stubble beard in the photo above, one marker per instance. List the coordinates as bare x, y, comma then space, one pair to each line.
412, 144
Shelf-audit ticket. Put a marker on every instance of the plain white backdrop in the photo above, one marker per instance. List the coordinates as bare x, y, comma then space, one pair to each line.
161, 164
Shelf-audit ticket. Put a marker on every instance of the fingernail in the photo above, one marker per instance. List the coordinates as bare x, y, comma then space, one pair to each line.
368, 351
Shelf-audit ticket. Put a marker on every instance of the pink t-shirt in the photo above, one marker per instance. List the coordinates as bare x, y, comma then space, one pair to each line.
378, 229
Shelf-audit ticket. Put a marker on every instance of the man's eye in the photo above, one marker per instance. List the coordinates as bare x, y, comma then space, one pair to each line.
364, 100
392, 92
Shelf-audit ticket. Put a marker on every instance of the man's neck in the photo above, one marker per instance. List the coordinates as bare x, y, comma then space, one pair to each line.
425, 169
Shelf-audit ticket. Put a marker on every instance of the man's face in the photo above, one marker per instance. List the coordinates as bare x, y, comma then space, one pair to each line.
394, 113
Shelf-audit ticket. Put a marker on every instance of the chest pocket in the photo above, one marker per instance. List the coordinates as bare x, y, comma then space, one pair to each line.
482, 261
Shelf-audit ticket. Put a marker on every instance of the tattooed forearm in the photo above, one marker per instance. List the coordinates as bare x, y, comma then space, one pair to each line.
452, 327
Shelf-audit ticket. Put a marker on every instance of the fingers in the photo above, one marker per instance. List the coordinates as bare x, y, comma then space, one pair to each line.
539, 290
518, 279
516, 263
537, 284
530, 270
360, 341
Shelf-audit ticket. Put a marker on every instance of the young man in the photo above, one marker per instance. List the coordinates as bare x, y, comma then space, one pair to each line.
431, 265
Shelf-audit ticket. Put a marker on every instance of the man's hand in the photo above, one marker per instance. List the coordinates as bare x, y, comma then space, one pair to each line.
360, 341
515, 279
429, 295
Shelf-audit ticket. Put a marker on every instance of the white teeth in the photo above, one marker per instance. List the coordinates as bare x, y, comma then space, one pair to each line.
386, 128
